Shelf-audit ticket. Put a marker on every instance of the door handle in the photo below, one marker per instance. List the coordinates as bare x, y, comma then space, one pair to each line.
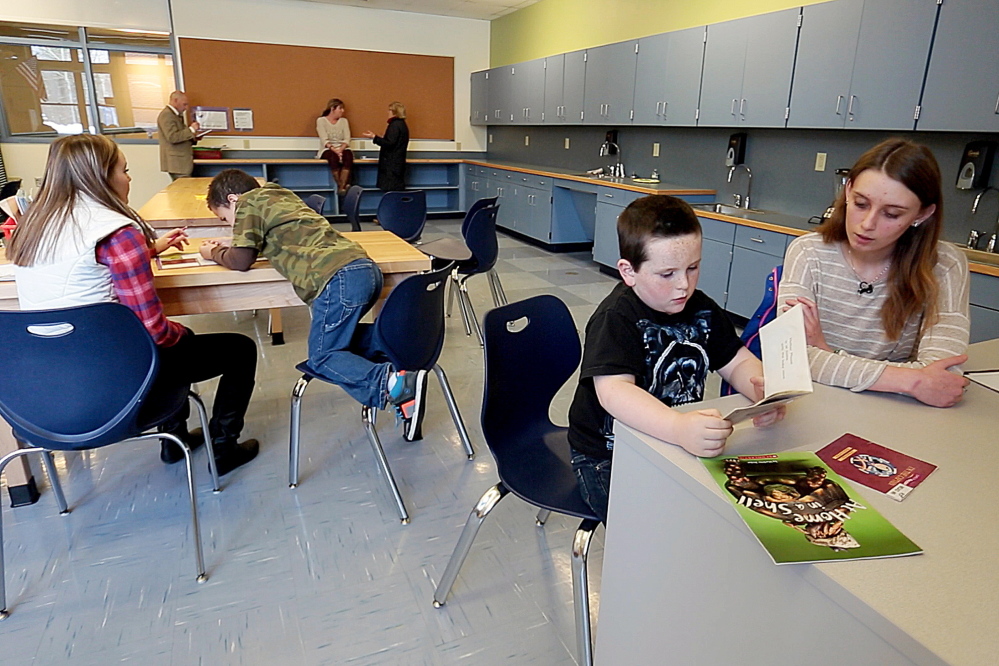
742, 108
732, 111
665, 104
839, 102
849, 108
756, 240
997, 104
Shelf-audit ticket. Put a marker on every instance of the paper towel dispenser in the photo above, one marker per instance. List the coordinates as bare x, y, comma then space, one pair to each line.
976, 165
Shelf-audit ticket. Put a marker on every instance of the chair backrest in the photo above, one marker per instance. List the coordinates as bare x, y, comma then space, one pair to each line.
480, 238
352, 206
403, 213
474, 208
531, 350
315, 202
75, 378
410, 327
765, 313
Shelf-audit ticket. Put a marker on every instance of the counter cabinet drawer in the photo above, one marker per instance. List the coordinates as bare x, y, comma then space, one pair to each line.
616, 197
717, 230
985, 291
760, 240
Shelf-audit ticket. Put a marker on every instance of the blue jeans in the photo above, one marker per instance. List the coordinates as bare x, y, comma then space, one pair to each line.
594, 482
336, 311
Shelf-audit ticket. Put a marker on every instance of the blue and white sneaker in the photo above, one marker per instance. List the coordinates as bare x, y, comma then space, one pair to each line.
409, 394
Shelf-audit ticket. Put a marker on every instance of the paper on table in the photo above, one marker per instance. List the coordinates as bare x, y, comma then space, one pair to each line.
785, 364
987, 378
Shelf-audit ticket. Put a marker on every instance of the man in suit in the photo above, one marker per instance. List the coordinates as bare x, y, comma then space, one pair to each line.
176, 137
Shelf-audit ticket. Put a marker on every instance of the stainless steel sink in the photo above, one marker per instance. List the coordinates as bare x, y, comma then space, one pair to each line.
726, 209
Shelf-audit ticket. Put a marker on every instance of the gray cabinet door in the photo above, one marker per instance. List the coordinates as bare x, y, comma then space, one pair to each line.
683, 76
716, 259
650, 79
962, 82
605, 246
984, 323
826, 49
888, 71
479, 113
573, 86
724, 65
528, 91
610, 83
766, 84
747, 280
554, 66
501, 95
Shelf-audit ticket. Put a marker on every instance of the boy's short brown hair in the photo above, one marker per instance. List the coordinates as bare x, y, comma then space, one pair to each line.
229, 181
654, 216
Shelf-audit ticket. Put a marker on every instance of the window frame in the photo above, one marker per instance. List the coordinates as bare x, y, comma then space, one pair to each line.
85, 46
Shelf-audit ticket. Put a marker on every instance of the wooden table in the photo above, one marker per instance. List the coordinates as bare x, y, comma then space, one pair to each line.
208, 289
182, 203
685, 581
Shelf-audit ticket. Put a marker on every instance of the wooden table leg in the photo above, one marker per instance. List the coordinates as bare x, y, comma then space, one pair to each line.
275, 326
20, 482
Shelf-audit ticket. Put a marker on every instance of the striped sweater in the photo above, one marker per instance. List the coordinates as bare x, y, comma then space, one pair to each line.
851, 322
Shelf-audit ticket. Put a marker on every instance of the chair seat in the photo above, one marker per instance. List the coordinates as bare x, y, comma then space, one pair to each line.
446, 248
549, 481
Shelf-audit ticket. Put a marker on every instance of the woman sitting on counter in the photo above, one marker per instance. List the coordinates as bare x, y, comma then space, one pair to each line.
886, 301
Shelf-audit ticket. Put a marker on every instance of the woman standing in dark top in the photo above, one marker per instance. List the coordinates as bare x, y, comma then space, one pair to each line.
392, 150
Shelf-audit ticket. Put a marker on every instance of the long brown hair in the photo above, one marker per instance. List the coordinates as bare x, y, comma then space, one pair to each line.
78, 166
912, 287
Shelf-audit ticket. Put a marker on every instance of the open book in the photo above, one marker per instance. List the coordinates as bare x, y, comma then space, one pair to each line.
785, 364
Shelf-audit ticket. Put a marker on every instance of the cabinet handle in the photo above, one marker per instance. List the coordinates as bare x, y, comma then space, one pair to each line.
732, 111
839, 102
609, 196
849, 107
657, 108
756, 240
742, 108
665, 104
997, 104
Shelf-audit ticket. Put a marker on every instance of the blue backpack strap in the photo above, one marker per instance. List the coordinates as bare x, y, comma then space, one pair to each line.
764, 314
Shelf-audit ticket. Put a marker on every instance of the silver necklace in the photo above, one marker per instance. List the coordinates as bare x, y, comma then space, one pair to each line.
865, 287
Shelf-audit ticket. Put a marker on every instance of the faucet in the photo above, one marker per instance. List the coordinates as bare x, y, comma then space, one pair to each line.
741, 201
616, 170
991, 246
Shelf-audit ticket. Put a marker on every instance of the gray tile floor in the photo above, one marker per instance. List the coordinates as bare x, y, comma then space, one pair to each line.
323, 574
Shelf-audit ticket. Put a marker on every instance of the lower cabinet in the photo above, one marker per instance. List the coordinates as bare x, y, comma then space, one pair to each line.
984, 307
605, 247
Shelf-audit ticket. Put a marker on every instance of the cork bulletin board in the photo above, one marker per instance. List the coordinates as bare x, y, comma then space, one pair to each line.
287, 86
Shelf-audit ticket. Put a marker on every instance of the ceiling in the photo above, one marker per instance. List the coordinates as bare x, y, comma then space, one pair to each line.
473, 9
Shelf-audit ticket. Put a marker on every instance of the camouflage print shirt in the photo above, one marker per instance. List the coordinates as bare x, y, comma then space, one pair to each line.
298, 242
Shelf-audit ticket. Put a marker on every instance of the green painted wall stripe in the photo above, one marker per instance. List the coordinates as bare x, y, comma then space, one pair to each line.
550, 27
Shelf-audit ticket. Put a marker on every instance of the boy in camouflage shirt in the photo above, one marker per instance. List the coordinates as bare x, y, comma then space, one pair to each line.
330, 273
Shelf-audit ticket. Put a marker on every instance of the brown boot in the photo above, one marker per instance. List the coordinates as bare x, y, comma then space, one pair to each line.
342, 181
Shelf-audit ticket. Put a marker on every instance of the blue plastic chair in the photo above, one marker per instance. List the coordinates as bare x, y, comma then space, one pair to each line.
79, 380
409, 333
480, 237
352, 206
531, 349
473, 209
404, 213
765, 313
315, 202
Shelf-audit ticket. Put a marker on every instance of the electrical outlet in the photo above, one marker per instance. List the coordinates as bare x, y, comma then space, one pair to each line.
527, 139
490, 138
567, 143
655, 150
246, 144
820, 161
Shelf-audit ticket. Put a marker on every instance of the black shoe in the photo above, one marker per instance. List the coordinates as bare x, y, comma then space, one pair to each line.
409, 396
170, 453
230, 455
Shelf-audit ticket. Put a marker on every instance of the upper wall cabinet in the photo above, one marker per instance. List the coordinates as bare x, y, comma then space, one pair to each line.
554, 75
861, 63
747, 70
610, 83
501, 96
573, 82
668, 78
962, 83
528, 91
480, 98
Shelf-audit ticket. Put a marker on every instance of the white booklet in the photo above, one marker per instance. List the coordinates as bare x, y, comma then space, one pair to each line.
986, 378
785, 364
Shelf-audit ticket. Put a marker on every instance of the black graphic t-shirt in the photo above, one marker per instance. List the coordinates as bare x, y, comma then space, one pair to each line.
668, 354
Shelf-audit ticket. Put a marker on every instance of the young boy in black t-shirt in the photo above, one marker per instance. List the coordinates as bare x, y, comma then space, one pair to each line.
649, 346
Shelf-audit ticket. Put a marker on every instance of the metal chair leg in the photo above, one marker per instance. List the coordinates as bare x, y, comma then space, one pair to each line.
452, 284
475, 519
471, 312
452, 405
492, 289
203, 417
17, 453
463, 307
542, 517
494, 276
54, 480
192, 492
296, 428
581, 591
368, 418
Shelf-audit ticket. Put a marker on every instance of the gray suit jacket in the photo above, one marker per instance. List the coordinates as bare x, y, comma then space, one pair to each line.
176, 140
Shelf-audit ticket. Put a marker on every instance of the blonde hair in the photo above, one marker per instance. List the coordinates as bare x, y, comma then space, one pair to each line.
78, 166
398, 110
912, 286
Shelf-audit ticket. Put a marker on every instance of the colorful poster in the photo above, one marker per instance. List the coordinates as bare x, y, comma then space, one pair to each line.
803, 512
885, 470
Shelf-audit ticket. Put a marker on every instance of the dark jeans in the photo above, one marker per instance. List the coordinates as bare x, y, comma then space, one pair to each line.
198, 358
594, 481
337, 162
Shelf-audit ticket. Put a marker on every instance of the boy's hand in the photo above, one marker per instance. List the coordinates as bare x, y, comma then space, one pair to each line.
207, 246
813, 329
703, 432
174, 238
775, 415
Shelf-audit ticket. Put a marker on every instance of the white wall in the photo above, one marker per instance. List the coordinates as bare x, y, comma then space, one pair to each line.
296, 22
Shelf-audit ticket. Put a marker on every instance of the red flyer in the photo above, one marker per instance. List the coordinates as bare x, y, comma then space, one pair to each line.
885, 470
